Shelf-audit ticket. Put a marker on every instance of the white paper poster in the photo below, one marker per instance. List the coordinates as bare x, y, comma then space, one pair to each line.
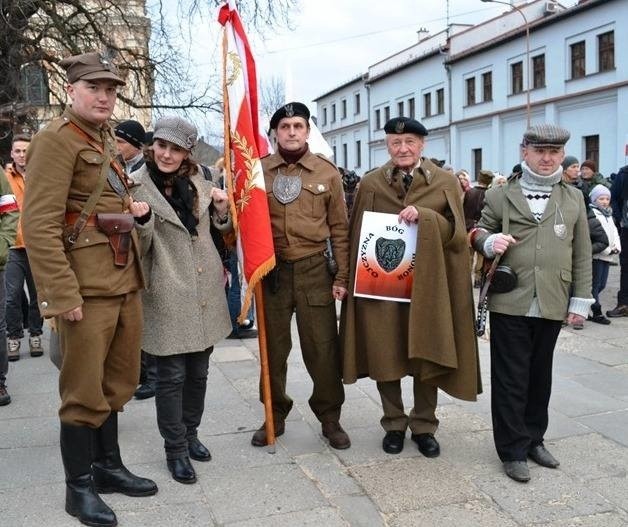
386, 258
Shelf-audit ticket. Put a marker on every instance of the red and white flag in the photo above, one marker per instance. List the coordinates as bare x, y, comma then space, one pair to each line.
245, 145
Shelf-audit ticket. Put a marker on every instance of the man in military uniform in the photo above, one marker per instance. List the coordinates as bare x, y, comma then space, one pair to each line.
89, 280
432, 336
538, 224
306, 204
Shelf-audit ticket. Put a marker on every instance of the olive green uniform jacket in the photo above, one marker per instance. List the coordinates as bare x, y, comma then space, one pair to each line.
432, 337
553, 268
301, 227
63, 170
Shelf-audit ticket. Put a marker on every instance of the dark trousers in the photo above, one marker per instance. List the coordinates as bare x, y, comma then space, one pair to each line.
18, 271
180, 398
304, 286
622, 294
600, 277
4, 356
522, 350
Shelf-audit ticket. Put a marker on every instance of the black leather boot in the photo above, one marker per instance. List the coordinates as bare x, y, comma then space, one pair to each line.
81, 499
110, 474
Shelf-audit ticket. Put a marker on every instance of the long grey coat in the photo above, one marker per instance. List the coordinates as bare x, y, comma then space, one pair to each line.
185, 307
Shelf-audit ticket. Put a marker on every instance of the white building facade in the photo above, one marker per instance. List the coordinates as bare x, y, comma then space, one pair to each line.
470, 87
342, 119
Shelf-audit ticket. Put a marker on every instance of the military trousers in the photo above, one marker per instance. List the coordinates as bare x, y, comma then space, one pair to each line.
422, 418
522, 352
304, 287
101, 358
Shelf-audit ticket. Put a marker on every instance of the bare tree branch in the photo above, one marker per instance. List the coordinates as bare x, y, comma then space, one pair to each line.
36, 34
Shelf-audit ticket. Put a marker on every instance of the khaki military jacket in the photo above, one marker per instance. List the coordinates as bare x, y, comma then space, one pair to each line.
432, 337
301, 227
552, 257
63, 171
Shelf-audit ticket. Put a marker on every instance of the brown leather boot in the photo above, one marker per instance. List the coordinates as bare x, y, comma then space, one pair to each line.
337, 437
259, 437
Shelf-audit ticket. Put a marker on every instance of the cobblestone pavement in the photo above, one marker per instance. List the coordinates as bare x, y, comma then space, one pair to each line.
307, 483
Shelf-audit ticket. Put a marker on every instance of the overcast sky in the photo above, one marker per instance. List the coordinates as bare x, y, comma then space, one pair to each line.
333, 41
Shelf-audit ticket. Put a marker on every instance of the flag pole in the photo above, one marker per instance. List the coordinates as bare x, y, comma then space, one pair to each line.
264, 368
259, 297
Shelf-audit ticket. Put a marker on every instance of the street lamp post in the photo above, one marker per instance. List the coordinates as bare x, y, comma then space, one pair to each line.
527, 27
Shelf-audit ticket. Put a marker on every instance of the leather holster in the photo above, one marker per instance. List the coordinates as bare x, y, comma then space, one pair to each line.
118, 229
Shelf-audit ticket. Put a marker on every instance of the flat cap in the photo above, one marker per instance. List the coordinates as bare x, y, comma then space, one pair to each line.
90, 66
176, 130
132, 132
545, 135
291, 109
485, 177
404, 125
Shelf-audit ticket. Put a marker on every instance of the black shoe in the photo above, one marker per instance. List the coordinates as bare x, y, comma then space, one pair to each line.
619, 310
82, 502
540, 455
182, 470
599, 319
517, 470
428, 446
243, 334
393, 441
197, 450
145, 391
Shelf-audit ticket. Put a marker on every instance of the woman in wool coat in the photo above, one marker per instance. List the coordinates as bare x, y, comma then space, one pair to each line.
185, 309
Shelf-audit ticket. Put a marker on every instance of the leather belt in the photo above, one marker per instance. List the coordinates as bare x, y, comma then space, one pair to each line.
72, 217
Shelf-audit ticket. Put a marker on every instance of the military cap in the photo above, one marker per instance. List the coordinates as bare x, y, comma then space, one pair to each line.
485, 177
90, 66
291, 109
545, 135
132, 132
176, 130
404, 125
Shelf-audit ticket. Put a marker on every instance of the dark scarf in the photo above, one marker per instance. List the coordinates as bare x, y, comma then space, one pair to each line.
292, 157
606, 211
182, 195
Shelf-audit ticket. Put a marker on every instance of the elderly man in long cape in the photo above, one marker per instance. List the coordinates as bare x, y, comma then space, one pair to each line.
432, 337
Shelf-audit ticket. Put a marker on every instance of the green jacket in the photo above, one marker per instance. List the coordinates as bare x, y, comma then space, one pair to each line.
9, 218
552, 267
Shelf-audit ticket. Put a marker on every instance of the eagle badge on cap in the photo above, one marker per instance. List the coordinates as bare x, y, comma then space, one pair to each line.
399, 127
289, 110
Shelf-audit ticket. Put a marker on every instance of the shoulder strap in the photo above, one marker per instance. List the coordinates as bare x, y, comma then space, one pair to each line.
90, 205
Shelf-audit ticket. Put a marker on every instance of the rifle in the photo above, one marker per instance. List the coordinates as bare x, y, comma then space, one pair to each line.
480, 322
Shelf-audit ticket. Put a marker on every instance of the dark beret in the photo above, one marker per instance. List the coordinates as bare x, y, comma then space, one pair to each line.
404, 125
545, 135
291, 109
132, 132
90, 66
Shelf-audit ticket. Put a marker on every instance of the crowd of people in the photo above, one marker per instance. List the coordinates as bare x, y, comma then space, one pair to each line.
122, 240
